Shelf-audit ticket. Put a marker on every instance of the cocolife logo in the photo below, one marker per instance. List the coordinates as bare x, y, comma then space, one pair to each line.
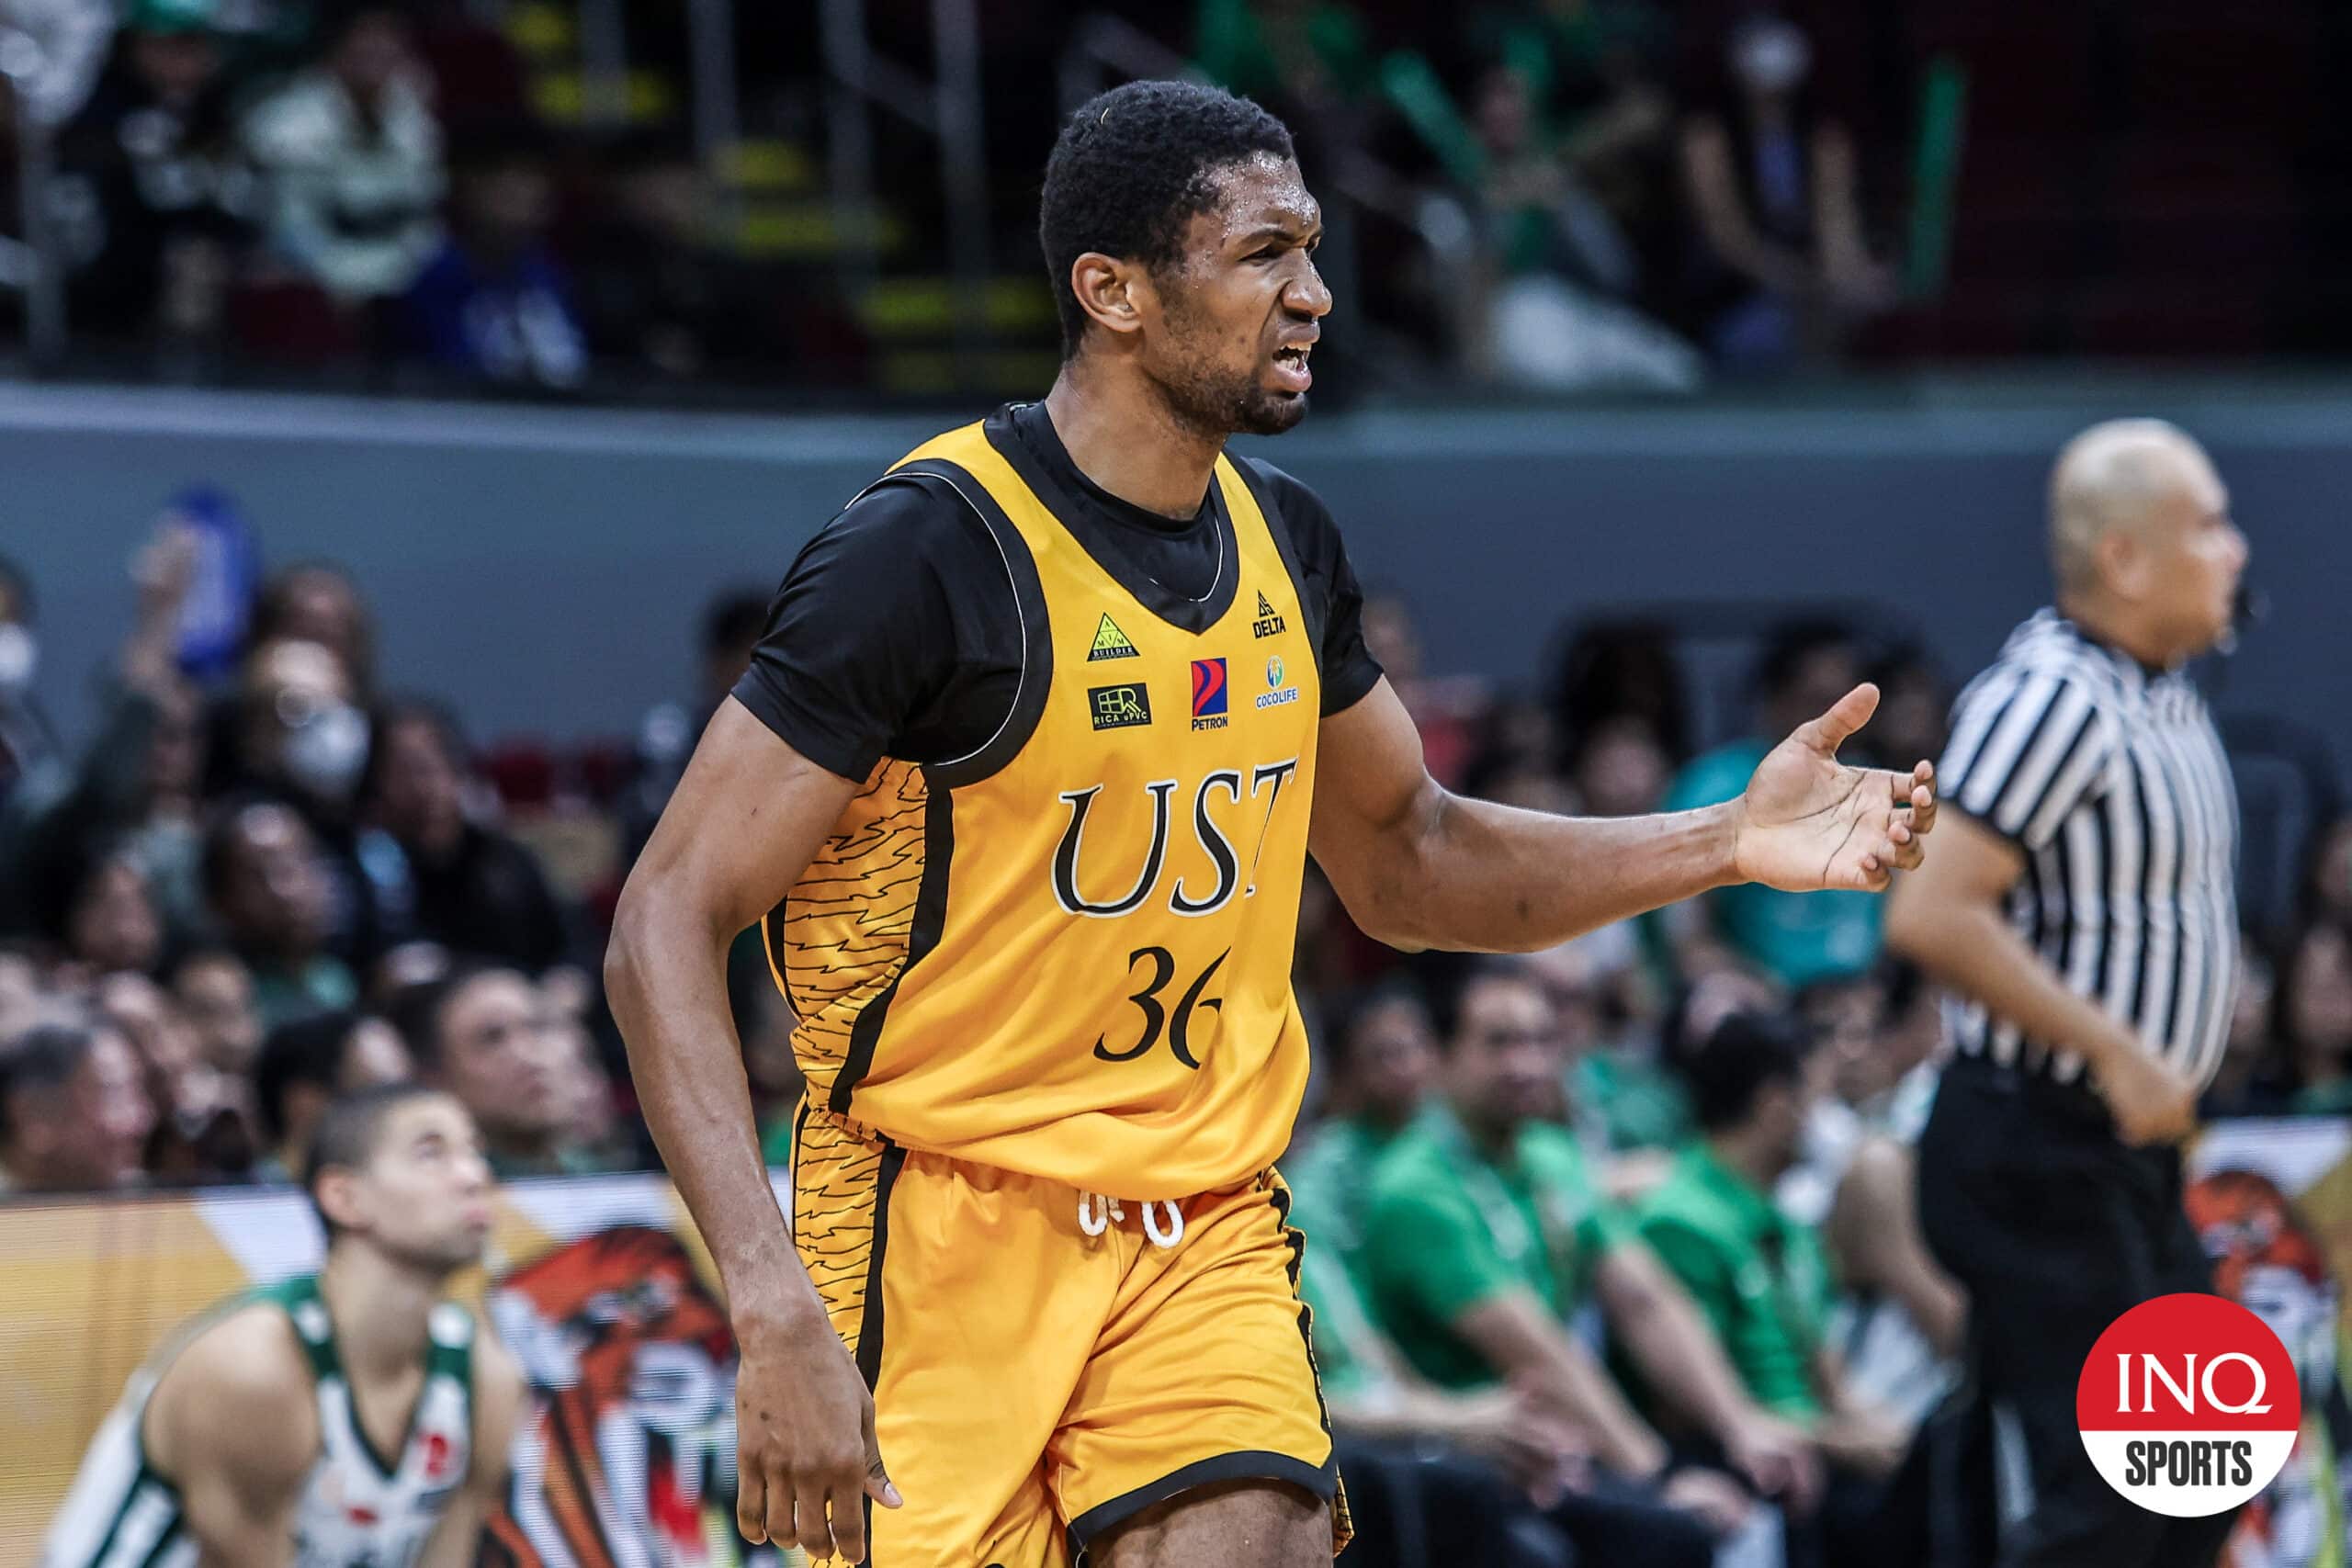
2189, 1404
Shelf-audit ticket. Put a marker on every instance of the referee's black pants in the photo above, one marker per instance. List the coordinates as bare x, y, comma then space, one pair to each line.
2055, 1227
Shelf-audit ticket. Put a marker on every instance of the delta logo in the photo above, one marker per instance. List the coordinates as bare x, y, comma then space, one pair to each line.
1209, 695
1276, 694
1269, 621
2188, 1406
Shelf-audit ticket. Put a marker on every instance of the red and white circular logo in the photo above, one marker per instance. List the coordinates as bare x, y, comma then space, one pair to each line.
2189, 1404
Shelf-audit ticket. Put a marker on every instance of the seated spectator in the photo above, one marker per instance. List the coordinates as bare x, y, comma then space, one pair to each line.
489, 1037
301, 738
2255, 1077
1618, 767
1781, 269
73, 1115
307, 1065
657, 290
494, 304
268, 892
1913, 705
215, 993
153, 156
1622, 1096
1796, 938
1623, 668
465, 887
2315, 1018
1378, 1057
1761, 1279
101, 914
351, 155
1487, 1238
204, 1128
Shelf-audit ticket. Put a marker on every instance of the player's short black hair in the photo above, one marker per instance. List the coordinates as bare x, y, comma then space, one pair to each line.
347, 1134
1132, 167
1747, 1053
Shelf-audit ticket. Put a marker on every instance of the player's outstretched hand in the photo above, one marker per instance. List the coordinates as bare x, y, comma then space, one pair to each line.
1808, 821
806, 1452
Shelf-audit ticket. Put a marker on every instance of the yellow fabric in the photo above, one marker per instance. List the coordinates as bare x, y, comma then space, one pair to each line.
1026, 1373
1124, 1032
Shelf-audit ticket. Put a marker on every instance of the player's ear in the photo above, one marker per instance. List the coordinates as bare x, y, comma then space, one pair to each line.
2121, 560
337, 1197
1114, 294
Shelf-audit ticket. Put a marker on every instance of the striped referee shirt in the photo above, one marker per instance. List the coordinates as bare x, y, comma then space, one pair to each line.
2112, 781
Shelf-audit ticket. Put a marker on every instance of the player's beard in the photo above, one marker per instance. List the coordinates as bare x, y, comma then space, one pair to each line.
1214, 400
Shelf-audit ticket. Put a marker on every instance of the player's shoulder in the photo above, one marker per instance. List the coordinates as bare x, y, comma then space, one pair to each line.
239, 1389
1291, 504
2047, 654
905, 512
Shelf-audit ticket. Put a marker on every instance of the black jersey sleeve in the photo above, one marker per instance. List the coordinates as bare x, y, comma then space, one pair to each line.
1348, 669
894, 634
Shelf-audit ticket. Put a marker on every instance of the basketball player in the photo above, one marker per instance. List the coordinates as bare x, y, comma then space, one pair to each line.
349, 1418
1022, 783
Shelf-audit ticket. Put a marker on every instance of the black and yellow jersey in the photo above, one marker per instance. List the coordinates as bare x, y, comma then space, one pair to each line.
1058, 939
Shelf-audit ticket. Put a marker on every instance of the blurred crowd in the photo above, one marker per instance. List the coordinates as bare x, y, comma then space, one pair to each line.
1608, 1242
1559, 193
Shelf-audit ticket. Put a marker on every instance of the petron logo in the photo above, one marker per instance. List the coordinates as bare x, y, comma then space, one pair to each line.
1209, 693
1276, 694
1119, 707
1269, 620
2189, 1404
1110, 642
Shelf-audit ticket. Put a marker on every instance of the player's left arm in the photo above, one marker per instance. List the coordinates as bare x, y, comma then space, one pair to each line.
1418, 866
499, 1396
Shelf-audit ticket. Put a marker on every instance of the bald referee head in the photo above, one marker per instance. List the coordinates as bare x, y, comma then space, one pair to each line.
2140, 540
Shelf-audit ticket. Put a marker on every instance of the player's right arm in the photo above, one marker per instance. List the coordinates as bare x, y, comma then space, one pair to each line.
1950, 917
745, 821
234, 1423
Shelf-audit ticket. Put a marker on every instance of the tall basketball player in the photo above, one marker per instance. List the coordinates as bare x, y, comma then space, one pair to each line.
350, 1418
1022, 783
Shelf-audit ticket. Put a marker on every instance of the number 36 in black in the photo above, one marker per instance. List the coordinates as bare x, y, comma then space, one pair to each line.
1156, 1018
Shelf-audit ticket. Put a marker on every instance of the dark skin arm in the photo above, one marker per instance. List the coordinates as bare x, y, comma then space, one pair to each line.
1419, 867
746, 819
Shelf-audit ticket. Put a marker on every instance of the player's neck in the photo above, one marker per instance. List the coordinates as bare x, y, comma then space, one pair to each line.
379, 1309
1125, 438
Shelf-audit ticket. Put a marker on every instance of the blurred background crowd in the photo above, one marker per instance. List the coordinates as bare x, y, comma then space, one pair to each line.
634, 201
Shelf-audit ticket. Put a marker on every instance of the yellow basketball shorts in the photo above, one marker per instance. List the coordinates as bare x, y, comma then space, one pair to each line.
1045, 1366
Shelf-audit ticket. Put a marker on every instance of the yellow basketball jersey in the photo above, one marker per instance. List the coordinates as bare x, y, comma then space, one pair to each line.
1069, 954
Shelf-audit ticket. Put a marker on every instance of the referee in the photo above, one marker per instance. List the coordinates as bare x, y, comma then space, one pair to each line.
2080, 906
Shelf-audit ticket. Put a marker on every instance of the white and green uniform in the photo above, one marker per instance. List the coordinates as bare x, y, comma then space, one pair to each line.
358, 1509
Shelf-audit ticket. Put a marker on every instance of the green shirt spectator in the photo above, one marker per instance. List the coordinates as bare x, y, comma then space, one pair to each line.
1761, 1279
1378, 1055
1629, 1099
1450, 1227
1265, 52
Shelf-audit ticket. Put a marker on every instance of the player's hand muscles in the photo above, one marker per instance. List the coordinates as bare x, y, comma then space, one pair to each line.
1808, 821
2150, 1100
805, 1437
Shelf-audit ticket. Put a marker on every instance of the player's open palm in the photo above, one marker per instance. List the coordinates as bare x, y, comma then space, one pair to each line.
805, 1449
1809, 821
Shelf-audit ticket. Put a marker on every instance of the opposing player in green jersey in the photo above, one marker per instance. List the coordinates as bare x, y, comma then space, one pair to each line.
351, 1418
